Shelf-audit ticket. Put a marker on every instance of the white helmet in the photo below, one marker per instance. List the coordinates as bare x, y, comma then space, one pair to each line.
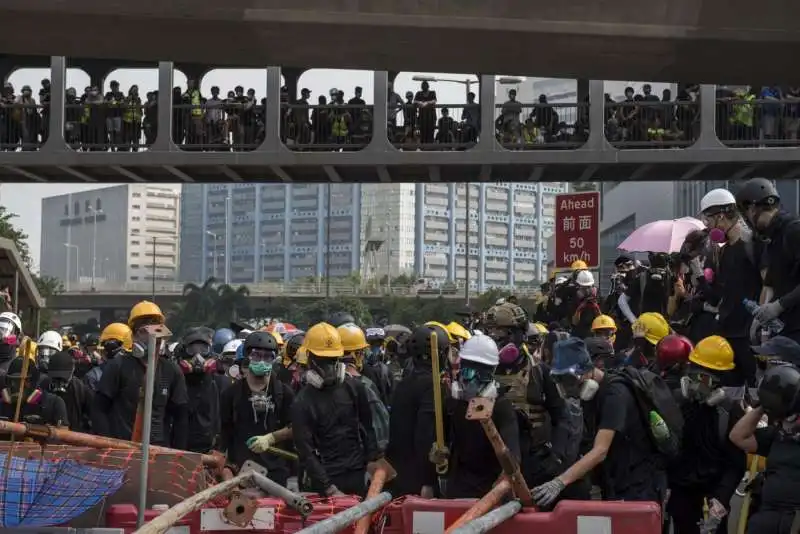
717, 198
243, 333
10, 325
50, 339
560, 280
231, 347
500, 301
585, 279
480, 349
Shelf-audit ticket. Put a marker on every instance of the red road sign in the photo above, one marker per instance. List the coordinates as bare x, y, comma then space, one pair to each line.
577, 229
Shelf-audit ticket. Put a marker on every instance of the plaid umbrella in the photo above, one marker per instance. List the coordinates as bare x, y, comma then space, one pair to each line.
44, 493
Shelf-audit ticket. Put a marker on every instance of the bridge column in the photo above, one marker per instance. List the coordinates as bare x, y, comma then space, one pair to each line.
272, 116
164, 140
487, 142
707, 137
58, 84
380, 114
597, 117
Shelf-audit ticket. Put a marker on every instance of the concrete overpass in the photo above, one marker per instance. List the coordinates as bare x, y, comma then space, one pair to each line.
717, 41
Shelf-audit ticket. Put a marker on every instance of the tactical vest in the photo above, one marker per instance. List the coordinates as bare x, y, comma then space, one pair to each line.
524, 390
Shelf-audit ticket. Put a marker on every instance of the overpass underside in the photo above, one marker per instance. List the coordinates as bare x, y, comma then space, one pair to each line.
708, 41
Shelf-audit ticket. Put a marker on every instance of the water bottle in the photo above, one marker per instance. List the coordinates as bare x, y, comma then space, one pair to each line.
773, 326
658, 427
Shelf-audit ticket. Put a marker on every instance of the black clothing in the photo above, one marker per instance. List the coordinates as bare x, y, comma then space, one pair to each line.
647, 295
333, 433
781, 448
203, 408
239, 423
49, 409
78, 400
632, 470
412, 432
117, 399
284, 374
382, 378
783, 269
474, 467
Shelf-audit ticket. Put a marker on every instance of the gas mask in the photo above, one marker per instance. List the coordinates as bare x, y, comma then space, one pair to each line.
474, 381
586, 292
111, 348
11, 392
702, 388
196, 364
324, 372
59, 385
572, 386
262, 403
375, 354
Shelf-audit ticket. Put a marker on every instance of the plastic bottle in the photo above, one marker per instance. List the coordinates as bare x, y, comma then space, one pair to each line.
658, 427
774, 326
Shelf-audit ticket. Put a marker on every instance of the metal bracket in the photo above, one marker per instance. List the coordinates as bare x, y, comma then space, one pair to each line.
480, 409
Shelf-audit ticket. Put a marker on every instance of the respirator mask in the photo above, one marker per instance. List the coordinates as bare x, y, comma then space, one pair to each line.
375, 353
260, 362
196, 358
572, 386
59, 384
43, 355
324, 372
702, 388
474, 380
111, 348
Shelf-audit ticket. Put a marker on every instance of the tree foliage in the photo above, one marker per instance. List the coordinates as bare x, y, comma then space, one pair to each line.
211, 304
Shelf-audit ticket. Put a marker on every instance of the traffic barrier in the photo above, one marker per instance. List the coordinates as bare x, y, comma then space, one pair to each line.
433, 516
271, 516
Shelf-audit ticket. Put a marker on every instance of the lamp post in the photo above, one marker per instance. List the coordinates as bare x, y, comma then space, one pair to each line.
212, 234
95, 213
77, 254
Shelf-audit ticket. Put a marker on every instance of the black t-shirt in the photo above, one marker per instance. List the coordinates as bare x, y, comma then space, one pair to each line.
781, 490
50, 409
631, 459
428, 112
655, 296
736, 277
122, 379
783, 273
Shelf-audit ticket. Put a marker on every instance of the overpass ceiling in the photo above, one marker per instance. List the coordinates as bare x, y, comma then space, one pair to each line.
712, 41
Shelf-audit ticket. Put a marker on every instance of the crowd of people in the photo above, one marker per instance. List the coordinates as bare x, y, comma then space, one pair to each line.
674, 388
128, 121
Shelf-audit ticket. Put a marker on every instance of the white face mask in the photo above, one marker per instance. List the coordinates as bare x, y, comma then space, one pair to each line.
589, 389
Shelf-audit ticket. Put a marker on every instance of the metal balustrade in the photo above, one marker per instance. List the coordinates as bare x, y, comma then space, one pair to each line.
277, 289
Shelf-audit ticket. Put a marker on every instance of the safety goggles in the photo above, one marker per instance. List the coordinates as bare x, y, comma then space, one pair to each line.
256, 354
45, 352
198, 349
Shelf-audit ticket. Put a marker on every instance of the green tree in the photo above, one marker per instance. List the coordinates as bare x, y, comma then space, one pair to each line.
20, 238
48, 286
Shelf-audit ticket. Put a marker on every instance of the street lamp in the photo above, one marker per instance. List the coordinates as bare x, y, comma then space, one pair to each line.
212, 234
95, 213
153, 265
77, 253
467, 82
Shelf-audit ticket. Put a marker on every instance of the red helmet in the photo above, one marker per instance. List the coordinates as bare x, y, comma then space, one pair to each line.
672, 350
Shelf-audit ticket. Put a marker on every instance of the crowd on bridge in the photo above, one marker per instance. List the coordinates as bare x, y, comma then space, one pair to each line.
235, 120
677, 387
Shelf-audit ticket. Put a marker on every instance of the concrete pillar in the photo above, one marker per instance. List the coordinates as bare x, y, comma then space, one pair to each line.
380, 114
272, 139
486, 139
165, 80
58, 84
707, 137
597, 116
291, 79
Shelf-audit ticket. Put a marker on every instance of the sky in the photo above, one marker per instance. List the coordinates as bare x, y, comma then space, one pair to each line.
25, 199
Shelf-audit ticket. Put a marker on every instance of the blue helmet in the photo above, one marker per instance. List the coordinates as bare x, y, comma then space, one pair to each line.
239, 353
221, 338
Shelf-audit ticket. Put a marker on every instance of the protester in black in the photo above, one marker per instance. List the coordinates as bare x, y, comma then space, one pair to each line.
38, 406
76, 394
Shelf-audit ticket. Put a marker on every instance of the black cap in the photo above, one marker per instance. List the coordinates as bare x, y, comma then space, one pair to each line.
62, 365
780, 348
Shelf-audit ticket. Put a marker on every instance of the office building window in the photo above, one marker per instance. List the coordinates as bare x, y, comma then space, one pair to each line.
77, 208
66, 210
88, 207
98, 205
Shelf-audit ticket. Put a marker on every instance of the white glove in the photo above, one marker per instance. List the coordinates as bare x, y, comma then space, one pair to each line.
259, 444
548, 492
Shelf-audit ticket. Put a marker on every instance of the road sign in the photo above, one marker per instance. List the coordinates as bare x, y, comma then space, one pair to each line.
577, 229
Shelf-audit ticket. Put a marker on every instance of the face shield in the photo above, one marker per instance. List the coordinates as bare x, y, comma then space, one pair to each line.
8, 332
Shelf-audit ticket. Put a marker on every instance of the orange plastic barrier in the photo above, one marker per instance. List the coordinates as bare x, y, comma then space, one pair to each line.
423, 516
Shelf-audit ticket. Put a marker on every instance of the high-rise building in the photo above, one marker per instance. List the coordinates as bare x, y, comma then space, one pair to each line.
249, 232
111, 236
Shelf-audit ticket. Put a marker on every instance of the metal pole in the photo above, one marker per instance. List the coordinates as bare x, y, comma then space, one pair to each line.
66, 284
466, 260
328, 247
489, 521
154, 269
150, 378
343, 519
94, 246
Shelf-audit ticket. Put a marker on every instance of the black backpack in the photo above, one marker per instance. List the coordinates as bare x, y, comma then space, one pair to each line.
652, 394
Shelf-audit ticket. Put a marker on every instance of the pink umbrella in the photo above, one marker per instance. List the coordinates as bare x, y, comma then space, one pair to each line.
661, 236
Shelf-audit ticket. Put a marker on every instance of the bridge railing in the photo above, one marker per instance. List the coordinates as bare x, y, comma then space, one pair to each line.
278, 289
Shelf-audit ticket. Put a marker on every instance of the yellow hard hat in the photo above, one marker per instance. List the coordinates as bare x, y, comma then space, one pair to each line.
352, 337
118, 332
578, 265
278, 338
145, 310
457, 330
604, 322
301, 356
541, 328
714, 353
324, 341
655, 326
26, 349
65, 342
450, 337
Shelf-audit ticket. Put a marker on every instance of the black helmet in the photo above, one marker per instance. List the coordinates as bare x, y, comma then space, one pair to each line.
15, 370
339, 318
260, 340
375, 334
397, 344
293, 344
757, 191
419, 343
599, 346
91, 340
778, 391
62, 365
197, 335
